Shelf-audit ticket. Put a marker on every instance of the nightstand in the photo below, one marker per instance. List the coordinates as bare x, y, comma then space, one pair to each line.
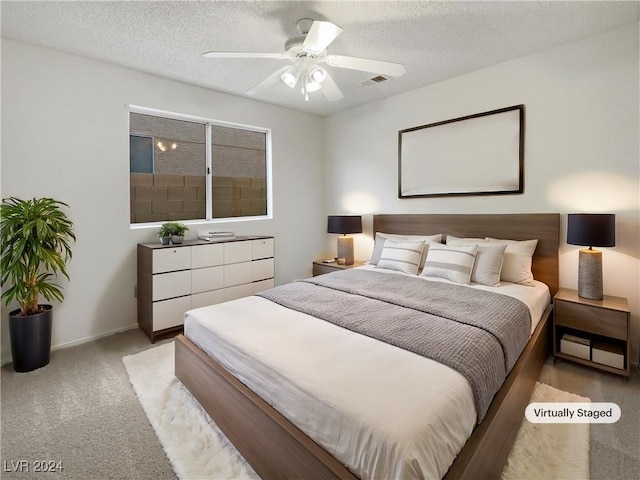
320, 268
592, 332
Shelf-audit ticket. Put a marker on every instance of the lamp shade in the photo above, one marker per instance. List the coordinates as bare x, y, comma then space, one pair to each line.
344, 224
592, 229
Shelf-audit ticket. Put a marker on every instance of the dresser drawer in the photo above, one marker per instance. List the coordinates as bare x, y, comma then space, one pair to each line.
171, 259
262, 269
170, 313
207, 298
262, 248
169, 285
236, 252
600, 321
205, 279
237, 274
207, 255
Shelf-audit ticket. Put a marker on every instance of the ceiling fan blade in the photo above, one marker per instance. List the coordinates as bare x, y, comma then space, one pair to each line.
366, 65
330, 90
320, 36
244, 55
267, 82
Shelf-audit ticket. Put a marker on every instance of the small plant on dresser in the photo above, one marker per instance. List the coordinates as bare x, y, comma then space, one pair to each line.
173, 230
164, 233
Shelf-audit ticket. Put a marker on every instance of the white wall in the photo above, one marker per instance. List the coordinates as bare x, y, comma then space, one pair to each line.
65, 135
581, 148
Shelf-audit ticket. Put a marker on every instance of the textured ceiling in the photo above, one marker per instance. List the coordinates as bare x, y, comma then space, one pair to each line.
434, 40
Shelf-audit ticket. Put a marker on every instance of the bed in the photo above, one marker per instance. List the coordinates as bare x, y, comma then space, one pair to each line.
276, 448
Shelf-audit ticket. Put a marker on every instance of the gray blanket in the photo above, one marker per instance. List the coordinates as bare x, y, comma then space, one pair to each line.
478, 333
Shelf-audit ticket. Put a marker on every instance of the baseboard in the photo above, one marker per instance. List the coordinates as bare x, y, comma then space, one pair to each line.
75, 343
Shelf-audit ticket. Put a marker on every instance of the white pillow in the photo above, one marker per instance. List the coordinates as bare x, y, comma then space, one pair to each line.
381, 237
488, 266
517, 260
464, 241
453, 263
489, 259
401, 256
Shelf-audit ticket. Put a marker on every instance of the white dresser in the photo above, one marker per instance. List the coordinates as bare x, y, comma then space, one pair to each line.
175, 278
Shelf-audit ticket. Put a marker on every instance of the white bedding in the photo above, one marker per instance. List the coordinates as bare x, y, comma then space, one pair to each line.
382, 411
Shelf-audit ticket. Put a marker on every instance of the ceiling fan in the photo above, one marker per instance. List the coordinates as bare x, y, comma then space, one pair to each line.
306, 51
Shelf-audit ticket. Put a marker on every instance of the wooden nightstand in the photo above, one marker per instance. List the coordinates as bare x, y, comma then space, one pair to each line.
604, 326
320, 268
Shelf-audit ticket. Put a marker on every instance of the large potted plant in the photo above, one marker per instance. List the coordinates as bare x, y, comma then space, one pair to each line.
35, 236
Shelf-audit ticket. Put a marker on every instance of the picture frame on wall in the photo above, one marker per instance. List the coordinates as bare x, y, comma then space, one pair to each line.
479, 154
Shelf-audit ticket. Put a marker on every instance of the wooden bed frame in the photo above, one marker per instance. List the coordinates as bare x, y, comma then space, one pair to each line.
275, 448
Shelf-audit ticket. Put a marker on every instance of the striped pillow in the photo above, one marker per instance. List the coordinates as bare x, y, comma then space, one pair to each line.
453, 263
401, 256
382, 237
489, 259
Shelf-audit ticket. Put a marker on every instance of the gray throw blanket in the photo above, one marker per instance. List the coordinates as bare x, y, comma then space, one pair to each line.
478, 333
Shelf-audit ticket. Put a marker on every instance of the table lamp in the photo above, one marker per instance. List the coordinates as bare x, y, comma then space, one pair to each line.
593, 230
345, 224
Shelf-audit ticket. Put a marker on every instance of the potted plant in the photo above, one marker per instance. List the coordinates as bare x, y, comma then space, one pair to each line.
164, 232
35, 236
177, 231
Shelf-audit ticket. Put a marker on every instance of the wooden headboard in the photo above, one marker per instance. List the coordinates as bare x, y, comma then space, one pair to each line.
520, 226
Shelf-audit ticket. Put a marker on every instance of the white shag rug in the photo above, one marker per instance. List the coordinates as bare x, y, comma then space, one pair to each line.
550, 450
195, 446
198, 450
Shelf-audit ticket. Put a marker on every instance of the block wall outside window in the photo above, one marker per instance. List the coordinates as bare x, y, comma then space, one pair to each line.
239, 172
239, 197
176, 189
160, 198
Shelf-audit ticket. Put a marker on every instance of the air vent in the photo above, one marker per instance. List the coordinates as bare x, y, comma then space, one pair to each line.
373, 81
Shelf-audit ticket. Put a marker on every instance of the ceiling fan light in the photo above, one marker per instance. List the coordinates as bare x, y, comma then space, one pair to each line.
317, 75
290, 78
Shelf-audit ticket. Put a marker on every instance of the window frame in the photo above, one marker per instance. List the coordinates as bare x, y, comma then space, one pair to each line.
208, 123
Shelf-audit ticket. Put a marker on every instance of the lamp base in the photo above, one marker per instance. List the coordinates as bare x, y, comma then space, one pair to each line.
590, 274
345, 249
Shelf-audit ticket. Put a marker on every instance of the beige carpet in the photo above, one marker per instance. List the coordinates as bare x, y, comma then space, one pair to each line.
198, 450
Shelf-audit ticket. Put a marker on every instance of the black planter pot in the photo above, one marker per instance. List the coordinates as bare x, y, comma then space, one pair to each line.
31, 339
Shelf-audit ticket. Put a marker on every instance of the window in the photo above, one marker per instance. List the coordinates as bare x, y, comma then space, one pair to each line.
185, 168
